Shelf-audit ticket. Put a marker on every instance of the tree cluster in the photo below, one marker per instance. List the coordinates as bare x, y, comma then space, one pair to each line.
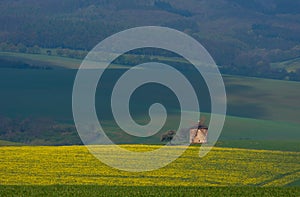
37, 131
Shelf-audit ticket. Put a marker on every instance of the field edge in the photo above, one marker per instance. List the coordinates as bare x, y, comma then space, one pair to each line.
99, 190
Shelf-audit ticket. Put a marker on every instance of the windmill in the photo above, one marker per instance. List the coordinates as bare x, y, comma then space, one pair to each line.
198, 133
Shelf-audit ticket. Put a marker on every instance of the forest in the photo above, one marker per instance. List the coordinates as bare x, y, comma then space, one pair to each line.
244, 38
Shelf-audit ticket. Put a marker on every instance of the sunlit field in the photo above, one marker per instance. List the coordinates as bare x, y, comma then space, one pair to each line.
74, 165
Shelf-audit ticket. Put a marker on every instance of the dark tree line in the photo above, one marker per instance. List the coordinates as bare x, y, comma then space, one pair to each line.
37, 131
245, 43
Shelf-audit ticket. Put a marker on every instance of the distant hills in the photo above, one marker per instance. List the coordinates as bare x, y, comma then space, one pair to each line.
244, 37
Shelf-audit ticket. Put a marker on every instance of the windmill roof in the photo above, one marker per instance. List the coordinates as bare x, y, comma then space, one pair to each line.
201, 127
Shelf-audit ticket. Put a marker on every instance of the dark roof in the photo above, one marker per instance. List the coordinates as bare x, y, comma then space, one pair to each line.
201, 127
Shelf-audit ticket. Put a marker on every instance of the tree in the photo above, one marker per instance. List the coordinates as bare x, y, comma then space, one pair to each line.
34, 50
168, 136
21, 48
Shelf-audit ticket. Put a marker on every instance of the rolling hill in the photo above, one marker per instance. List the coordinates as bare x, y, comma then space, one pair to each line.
39, 101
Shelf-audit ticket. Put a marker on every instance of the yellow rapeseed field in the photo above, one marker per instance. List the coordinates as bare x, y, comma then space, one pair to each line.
45, 165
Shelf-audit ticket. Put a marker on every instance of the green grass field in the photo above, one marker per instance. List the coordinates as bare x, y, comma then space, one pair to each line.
48, 60
265, 99
279, 145
8, 143
42, 59
258, 109
129, 191
247, 97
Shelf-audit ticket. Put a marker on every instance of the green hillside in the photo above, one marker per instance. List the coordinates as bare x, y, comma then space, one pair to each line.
40, 60
247, 97
8, 143
263, 99
258, 109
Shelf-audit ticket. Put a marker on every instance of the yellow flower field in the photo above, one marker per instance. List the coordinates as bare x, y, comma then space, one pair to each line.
72, 165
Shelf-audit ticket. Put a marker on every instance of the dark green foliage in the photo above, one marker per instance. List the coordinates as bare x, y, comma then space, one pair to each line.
168, 136
96, 190
237, 33
35, 131
271, 6
167, 7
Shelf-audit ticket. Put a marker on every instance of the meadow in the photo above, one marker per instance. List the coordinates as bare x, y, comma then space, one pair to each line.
129, 191
42, 59
71, 165
72, 170
258, 109
247, 97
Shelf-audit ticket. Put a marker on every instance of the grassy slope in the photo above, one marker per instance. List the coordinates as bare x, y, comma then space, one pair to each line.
263, 98
247, 97
237, 128
282, 145
48, 60
8, 143
270, 105
37, 59
289, 65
